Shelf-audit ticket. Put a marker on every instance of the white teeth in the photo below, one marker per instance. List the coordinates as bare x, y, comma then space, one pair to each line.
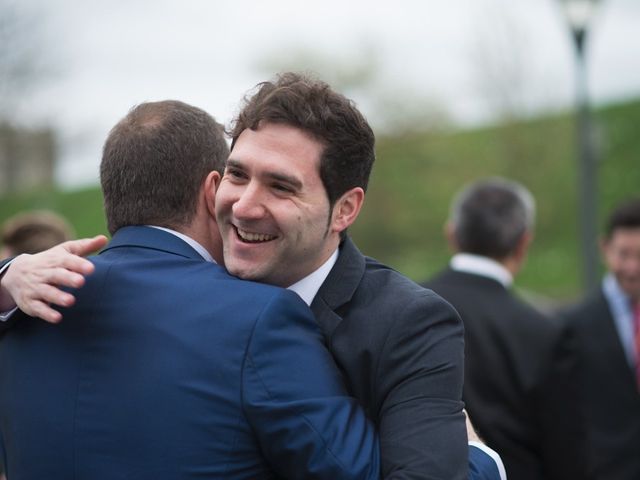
254, 237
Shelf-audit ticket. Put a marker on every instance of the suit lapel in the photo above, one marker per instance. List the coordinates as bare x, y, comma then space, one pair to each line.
152, 238
339, 287
606, 333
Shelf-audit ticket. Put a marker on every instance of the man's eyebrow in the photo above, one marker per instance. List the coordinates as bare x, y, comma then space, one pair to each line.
233, 163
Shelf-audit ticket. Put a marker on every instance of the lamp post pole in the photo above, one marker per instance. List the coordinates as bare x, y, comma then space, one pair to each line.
579, 13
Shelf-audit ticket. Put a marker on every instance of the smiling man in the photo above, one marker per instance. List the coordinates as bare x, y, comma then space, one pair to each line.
607, 323
295, 181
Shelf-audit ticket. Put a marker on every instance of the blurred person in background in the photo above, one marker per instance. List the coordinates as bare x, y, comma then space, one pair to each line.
607, 324
33, 232
519, 384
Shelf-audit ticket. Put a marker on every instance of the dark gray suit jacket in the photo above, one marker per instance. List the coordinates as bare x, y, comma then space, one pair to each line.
519, 387
610, 390
400, 348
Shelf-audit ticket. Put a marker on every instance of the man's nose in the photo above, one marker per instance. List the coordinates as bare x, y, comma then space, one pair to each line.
250, 203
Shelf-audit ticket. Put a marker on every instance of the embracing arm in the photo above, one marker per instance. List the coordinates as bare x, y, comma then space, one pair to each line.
294, 398
34, 282
423, 428
420, 375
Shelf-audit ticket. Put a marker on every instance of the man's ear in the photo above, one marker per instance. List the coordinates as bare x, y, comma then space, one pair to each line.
450, 234
346, 209
519, 254
211, 184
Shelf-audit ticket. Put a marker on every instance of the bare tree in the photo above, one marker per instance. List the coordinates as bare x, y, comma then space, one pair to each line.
397, 110
501, 60
22, 62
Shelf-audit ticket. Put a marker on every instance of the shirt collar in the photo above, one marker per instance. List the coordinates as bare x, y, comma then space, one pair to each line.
484, 266
308, 287
190, 241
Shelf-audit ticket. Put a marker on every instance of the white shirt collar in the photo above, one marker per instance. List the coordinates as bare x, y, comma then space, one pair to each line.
308, 287
190, 241
484, 266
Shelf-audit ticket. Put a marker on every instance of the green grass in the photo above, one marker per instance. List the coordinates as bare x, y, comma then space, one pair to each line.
416, 175
83, 208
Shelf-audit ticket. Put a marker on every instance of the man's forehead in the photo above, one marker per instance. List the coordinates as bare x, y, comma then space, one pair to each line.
625, 235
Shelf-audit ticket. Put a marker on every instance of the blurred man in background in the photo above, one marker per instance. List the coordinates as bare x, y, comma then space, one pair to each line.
607, 323
518, 388
32, 232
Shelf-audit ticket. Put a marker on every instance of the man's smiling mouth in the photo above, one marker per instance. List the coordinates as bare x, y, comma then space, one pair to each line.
251, 237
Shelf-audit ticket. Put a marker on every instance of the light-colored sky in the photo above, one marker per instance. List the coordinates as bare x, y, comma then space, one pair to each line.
458, 54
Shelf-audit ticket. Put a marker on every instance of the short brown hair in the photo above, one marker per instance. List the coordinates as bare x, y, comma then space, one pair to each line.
154, 162
311, 105
35, 231
625, 215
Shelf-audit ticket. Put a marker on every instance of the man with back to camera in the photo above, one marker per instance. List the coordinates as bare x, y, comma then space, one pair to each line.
150, 376
295, 181
607, 324
520, 384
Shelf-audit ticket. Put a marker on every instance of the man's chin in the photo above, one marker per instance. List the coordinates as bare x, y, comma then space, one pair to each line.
244, 272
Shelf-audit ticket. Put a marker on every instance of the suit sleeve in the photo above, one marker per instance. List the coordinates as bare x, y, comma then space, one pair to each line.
422, 427
485, 463
295, 400
5, 316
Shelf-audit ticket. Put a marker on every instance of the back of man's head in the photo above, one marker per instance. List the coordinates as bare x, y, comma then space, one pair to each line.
624, 216
311, 105
33, 232
154, 163
489, 217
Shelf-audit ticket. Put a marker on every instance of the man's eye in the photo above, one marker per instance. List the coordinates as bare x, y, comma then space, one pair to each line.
237, 174
282, 188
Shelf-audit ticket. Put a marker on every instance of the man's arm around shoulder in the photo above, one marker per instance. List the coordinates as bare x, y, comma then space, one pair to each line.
296, 402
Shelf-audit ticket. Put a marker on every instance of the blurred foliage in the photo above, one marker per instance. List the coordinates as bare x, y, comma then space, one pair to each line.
416, 175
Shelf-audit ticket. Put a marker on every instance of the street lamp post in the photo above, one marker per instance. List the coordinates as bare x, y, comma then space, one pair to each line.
579, 14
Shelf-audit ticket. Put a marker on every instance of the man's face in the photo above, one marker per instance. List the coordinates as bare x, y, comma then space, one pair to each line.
272, 208
622, 256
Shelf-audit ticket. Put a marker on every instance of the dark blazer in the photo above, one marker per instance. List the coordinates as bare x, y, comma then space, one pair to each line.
609, 389
168, 368
400, 348
519, 389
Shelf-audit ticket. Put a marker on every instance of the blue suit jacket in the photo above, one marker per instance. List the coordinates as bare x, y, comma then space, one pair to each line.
169, 368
